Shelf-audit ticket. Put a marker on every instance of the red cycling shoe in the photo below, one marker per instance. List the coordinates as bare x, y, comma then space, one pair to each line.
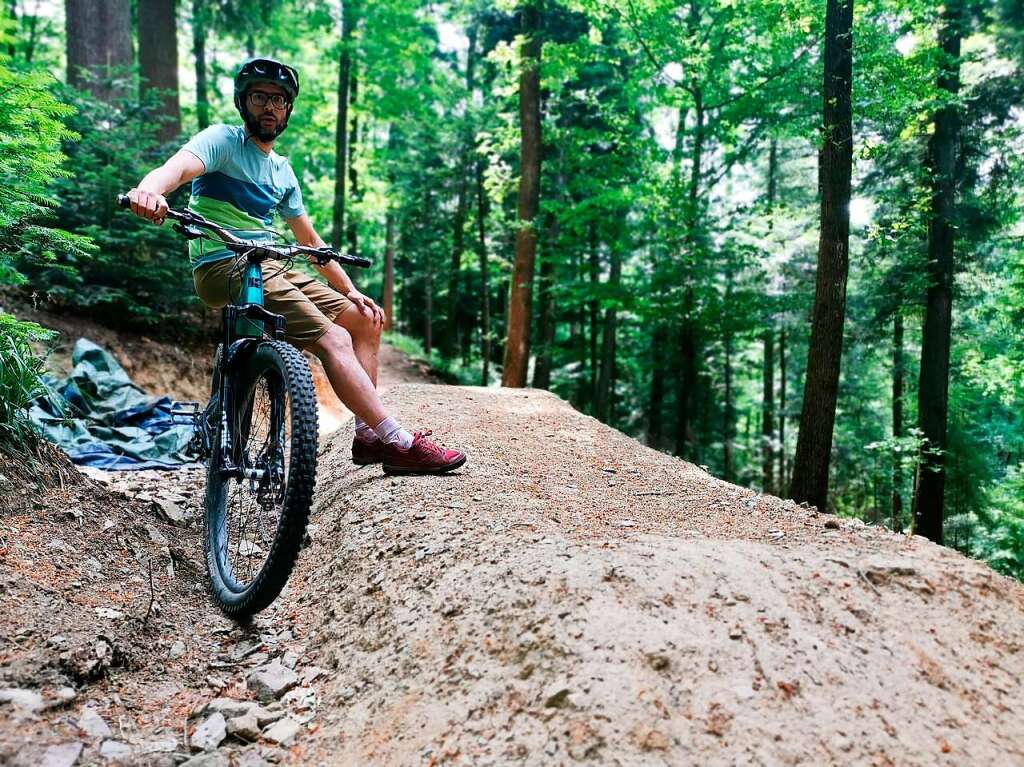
424, 457
365, 453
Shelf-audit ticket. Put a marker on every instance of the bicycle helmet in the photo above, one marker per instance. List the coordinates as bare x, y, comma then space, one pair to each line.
264, 70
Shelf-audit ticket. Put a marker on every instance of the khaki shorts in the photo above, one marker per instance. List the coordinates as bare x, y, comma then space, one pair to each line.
308, 306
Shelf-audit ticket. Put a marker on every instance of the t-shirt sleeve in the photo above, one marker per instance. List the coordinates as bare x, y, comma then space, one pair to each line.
291, 204
211, 145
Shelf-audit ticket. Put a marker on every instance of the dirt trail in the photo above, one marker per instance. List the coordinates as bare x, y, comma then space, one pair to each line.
568, 596
573, 596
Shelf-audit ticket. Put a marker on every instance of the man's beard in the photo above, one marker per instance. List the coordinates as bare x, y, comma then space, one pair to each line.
264, 132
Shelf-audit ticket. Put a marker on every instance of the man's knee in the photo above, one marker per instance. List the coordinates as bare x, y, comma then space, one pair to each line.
362, 326
336, 341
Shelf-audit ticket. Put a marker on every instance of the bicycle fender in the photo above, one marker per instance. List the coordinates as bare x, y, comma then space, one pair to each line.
238, 351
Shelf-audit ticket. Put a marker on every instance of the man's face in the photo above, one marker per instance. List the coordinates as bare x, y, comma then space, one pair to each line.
266, 121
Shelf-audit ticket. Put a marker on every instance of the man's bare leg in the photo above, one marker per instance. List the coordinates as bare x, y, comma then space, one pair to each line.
365, 339
348, 375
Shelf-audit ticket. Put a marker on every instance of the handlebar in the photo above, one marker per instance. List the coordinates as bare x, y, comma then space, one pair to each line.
189, 223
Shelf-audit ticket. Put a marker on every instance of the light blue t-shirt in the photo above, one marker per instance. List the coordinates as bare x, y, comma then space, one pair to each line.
240, 189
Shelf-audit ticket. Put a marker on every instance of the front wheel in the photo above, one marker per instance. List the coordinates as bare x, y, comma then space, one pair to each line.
257, 505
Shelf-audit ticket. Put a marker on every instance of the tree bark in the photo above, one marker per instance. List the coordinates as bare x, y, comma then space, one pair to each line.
517, 349
783, 472
99, 46
451, 334
353, 175
768, 413
686, 398
595, 279
341, 129
12, 13
546, 321
428, 286
821, 387
389, 271
686, 391
485, 277
659, 338
897, 419
605, 387
158, 60
729, 417
933, 387
199, 22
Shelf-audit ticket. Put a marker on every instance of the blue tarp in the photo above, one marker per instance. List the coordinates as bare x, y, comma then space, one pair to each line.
101, 419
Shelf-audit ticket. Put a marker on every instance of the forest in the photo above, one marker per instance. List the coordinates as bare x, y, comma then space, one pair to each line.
780, 239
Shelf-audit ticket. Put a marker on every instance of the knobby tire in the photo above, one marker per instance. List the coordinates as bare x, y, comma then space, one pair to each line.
285, 372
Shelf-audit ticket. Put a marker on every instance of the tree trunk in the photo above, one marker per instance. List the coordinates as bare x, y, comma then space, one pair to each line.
933, 386
485, 277
729, 420
12, 13
659, 338
389, 271
158, 60
546, 324
821, 386
686, 399
595, 279
199, 22
341, 129
783, 471
517, 349
686, 391
451, 334
428, 282
768, 413
897, 419
353, 174
605, 386
99, 46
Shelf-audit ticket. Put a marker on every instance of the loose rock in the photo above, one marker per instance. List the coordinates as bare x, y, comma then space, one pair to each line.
210, 733
61, 755
28, 701
282, 732
245, 727
272, 681
91, 723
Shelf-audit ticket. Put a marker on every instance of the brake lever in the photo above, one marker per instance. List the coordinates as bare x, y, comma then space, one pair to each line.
188, 231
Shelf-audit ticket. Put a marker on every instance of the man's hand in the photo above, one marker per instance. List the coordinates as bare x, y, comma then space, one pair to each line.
366, 306
148, 205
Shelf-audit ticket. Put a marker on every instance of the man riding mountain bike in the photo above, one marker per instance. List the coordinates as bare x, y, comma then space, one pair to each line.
238, 182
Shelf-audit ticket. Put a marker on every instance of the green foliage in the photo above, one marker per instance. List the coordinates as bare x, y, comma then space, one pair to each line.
1002, 537
21, 369
139, 272
30, 158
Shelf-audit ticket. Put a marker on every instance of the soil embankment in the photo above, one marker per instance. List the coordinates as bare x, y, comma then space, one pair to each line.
569, 596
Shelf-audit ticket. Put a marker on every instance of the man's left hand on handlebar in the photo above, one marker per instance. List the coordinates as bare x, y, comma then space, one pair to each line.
148, 205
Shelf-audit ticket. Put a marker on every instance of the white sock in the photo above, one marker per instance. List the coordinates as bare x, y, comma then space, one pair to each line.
391, 433
364, 433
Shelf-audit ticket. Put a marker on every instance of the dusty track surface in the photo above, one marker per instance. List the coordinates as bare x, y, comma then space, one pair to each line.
568, 596
572, 596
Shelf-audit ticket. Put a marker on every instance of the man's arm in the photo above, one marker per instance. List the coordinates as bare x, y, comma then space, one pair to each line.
148, 197
336, 277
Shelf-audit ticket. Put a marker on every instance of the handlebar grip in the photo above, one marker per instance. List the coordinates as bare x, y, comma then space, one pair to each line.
355, 261
123, 201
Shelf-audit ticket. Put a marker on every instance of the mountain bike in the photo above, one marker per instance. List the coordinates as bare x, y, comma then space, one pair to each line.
258, 432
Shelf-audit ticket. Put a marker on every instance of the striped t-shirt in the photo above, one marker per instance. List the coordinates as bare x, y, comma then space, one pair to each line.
240, 190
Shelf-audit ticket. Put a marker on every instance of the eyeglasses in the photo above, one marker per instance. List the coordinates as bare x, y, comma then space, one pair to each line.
259, 99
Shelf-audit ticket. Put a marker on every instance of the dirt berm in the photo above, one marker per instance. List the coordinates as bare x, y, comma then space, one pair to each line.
571, 596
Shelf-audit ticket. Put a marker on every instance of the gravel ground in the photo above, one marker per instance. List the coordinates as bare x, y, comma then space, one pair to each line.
567, 596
